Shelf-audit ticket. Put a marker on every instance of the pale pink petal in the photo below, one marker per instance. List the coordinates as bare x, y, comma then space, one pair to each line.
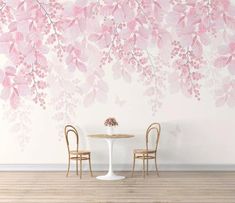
172, 18
131, 25
129, 45
192, 17
186, 40
21, 16
44, 49
126, 76
10, 70
12, 27
219, 92
149, 91
144, 32
180, 8
128, 12
118, 15
81, 66
59, 116
42, 60
220, 101
164, 4
89, 98
204, 39
232, 47
94, 37
230, 22
102, 43
23, 27
25, 48
92, 54
6, 82
4, 46
223, 50
20, 79
5, 37
231, 10
69, 59
5, 93
185, 90
81, 25
197, 49
1, 76
164, 40
141, 42
12, 3
173, 80
93, 26
72, 67
221, 61
101, 96
106, 10
231, 67
14, 100
109, 2
30, 58
231, 99
23, 90
107, 39
117, 70
102, 86
18, 37
84, 88
90, 79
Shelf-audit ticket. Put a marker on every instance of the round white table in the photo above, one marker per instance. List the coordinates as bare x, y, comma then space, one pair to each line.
110, 140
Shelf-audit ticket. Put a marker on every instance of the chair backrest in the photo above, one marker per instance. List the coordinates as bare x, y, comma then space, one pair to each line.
67, 131
153, 127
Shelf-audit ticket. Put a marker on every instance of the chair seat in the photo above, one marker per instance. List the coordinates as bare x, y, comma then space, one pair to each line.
80, 152
144, 151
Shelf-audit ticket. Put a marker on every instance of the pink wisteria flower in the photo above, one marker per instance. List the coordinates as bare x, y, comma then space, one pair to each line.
186, 71
152, 40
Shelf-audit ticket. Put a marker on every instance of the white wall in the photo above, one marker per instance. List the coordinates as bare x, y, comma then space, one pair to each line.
193, 133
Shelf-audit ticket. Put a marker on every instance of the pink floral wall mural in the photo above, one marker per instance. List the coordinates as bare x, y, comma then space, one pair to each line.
167, 45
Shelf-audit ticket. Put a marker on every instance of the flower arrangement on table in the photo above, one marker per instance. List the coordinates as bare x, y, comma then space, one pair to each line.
110, 123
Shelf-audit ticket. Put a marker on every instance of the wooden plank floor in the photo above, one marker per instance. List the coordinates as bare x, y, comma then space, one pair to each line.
54, 187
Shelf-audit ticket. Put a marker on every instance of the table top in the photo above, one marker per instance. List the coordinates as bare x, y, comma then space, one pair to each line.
114, 136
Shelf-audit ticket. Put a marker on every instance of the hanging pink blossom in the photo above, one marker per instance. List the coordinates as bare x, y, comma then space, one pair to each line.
153, 40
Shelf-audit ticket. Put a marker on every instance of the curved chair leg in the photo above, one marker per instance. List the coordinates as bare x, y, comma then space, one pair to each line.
147, 165
90, 165
68, 168
156, 166
133, 168
80, 166
77, 165
143, 166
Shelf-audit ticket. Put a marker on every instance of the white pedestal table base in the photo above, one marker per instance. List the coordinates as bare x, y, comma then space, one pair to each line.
110, 175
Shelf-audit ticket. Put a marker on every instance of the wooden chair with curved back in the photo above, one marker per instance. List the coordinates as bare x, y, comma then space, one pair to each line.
146, 154
77, 155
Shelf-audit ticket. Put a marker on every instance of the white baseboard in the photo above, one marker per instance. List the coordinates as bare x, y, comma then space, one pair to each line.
118, 167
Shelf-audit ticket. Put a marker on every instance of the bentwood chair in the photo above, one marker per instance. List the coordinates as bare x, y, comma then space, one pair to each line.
76, 155
146, 154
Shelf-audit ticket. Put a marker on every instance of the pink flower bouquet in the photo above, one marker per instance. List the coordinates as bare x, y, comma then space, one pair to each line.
111, 122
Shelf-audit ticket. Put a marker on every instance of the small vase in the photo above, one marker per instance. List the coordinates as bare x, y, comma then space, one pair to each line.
110, 130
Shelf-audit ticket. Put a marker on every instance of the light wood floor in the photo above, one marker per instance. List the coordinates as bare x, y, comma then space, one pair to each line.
54, 187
